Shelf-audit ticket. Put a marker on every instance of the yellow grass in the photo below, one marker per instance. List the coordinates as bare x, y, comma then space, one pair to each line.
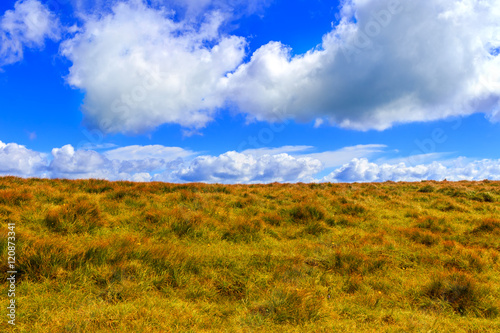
98, 256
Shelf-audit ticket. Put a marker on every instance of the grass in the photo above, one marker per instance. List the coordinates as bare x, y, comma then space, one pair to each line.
98, 256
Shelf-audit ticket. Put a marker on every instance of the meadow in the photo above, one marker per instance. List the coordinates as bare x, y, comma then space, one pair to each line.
99, 256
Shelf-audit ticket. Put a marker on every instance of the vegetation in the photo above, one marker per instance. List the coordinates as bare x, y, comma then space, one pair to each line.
98, 256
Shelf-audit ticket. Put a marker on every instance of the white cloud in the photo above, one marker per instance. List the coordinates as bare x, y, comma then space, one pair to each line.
139, 68
185, 9
386, 62
233, 167
147, 152
344, 155
127, 163
329, 159
17, 160
415, 159
136, 163
258, 152
141, 164
193, 8
68, 163
27, 26
360, 170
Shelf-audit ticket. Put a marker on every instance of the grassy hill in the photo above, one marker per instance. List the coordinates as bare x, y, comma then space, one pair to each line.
98, 256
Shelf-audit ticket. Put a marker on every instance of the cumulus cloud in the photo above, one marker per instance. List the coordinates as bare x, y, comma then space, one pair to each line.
360, 170
68, 163
173, 164
385, 62
17, 160
140, 68
344, 155
160, 163
233, 167
29, 25
194, 8
329, 159
136, 163
137, 152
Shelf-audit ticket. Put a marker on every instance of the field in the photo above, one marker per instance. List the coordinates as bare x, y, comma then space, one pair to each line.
98, 256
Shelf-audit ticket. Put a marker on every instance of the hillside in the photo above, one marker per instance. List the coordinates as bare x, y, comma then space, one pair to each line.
98, 256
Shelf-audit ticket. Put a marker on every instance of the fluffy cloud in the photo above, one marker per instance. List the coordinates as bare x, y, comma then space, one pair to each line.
360, 170
193, 8
145, 163
386, 62
233, 167
28, 25
344, 155
147, 152
68, 163
329, 159
172, 164
17, 160
127, 163
139, 68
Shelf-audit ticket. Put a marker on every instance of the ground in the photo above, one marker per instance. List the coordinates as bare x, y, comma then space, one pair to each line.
98, 256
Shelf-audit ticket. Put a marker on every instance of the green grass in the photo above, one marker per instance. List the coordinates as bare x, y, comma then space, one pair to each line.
98, 256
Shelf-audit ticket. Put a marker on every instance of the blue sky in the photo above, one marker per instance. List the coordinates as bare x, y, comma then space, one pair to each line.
250, 91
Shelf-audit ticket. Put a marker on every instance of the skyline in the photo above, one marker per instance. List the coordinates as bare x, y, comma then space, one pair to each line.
250, 91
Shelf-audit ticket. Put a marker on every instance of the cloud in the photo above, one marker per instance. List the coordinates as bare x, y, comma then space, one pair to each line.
329, 159
185, 9
174, 164
360, 170
29, 25
140, 68
258, 152
147, 152
233, 167
125, 163
17, 160
341, 156
194, 8
384, 63
68, 163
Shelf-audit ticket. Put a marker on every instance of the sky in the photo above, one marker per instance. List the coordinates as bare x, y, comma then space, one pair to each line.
250, 91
